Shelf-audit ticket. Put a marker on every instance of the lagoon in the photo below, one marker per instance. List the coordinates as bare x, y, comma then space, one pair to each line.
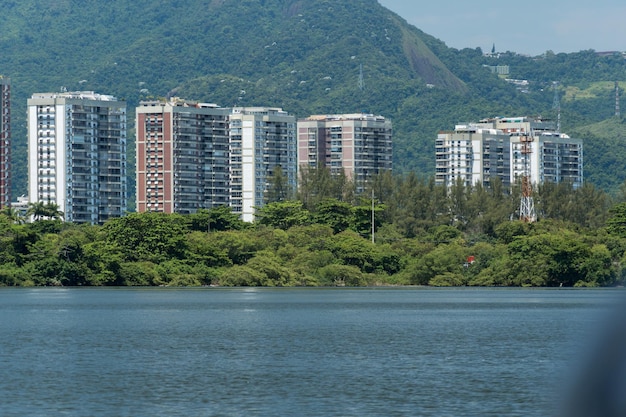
292, 352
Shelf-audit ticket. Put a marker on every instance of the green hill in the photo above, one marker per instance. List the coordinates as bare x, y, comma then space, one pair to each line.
304, 56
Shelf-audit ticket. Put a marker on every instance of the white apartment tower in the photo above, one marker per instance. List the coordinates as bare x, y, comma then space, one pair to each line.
77, 154
261, 139
550, 157
472, 154
5, 141
508, 148
182, 156
360, 145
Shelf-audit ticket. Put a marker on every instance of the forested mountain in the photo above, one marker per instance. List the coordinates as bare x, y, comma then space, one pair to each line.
306, 57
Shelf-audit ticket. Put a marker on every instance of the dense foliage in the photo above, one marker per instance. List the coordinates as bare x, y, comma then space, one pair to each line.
424, 235
304, 56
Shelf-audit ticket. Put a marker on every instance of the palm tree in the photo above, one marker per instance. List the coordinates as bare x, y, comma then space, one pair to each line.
40, 210
53, 211
37, 210
12, 214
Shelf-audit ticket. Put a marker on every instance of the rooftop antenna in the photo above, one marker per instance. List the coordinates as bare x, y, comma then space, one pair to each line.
556, 105
617, 112
361, 83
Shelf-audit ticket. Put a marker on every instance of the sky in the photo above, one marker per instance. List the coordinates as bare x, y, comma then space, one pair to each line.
531, 27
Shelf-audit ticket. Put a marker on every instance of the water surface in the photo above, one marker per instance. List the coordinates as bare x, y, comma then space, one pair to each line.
290, 352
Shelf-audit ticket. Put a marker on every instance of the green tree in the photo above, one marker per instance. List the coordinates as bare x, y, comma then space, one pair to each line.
40, 210
239, 246
317, 184
154, 237
551, 259
341, 275
334, 213
616, 223
444, 264
363, 217
283, 215
12, 214
278, 188
215, 219
273, 273
36, 209
353, 249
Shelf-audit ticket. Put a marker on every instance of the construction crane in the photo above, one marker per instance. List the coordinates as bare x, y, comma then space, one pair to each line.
527, 205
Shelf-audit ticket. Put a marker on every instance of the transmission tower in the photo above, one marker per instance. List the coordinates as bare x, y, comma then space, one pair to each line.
527, 204
617, 112
556, 105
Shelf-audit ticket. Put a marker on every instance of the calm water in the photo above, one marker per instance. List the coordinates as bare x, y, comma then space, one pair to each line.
290, 352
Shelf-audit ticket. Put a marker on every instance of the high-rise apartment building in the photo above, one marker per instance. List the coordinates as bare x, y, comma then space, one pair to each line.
472, 154
508, 148
360, 145
77, 154
551, 157
5, 141
182, 156
261, 139
192, 155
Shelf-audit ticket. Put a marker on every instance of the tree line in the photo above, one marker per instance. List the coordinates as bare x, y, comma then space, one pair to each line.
321, 235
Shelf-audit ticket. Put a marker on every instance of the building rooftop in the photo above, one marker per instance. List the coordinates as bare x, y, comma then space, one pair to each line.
340, 117
80, 95
178, 102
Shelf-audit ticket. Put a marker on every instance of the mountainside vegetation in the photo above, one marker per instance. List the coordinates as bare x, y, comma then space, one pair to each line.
306, 57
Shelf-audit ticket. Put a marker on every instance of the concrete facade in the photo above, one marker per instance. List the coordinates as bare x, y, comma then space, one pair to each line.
194, 155
472, 154
360, 145
77, 154
182, 156
514, 146
261, 139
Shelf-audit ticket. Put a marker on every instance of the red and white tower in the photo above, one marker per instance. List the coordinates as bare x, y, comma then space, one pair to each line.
527, 204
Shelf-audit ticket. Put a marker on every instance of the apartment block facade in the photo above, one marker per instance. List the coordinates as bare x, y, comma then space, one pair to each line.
77, 154
261, 139
194, 155
472, 154
508, 148
359, 145
182, 156
5, 141
550, 158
